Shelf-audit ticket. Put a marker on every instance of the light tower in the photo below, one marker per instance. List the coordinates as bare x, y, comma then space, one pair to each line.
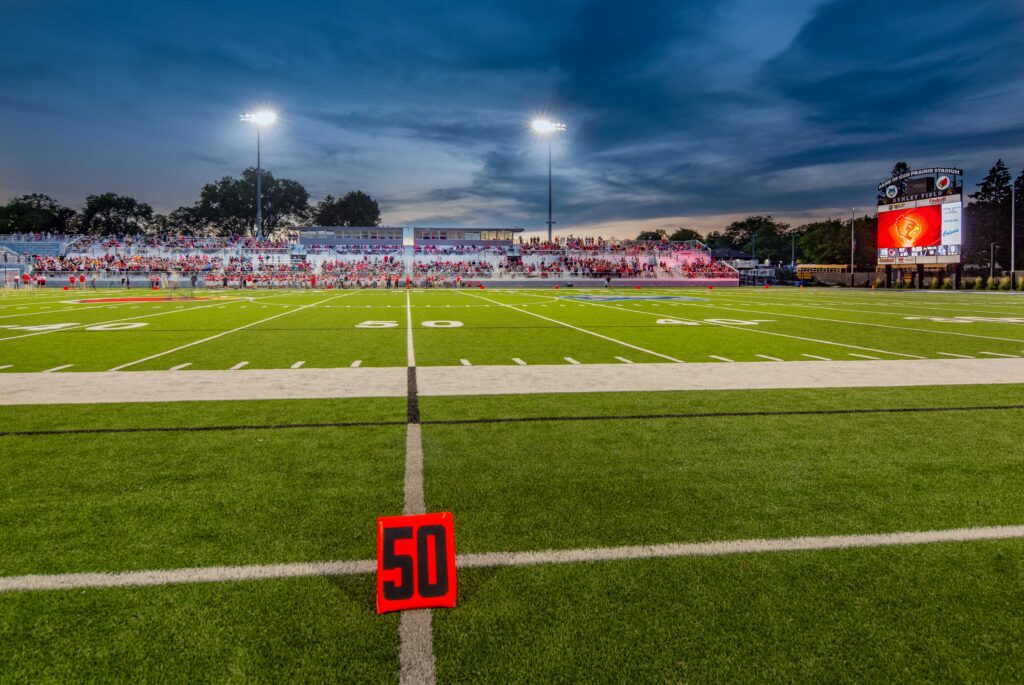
261, 118
548, 128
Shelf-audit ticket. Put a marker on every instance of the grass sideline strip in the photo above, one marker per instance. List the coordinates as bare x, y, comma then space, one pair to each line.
414, 417
217, 574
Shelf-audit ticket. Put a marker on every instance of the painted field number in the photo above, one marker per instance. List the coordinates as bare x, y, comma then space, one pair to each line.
415, 562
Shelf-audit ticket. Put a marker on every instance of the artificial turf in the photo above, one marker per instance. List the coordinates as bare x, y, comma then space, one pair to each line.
331, 329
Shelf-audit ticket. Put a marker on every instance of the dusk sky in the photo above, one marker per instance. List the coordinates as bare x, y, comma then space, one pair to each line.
690, 112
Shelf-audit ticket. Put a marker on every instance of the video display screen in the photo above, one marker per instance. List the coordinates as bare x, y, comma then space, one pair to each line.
928, 228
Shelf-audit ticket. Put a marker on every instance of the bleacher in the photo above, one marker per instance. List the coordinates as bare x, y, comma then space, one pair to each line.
431, 263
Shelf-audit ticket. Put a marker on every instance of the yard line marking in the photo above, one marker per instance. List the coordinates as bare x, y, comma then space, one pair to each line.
722, 359
179, 367
356, 364
999, 354
864, 356
58, 368
958, 356
814, 356
625, 361
751, 329
97, 323
223, 333
765, 356
239, 365
465, 362
581, 330
297, 365
730, 547
221, 574
415, 633
518, 361
410, 353
859, 323
571, 360
6, 366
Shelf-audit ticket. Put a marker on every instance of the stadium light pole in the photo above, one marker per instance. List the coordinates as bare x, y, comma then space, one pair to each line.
263, 117
853, 241
1013, 232
547, 129
991, 262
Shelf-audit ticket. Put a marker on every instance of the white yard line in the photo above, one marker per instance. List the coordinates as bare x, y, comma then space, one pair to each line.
722, 359
625, 361
814, 356
863, 356
223, 333
754, 329
221, 574
855, 323
239, 365
410, 352
415, 632
571, 360
958, 356
999, 354
179, 367
58, 368
518, 361
297, 365
771, 359
131, 318
356, 364
465, 362
577, 328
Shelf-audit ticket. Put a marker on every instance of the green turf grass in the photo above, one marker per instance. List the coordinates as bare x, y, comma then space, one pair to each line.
272, 631
129, 501
936, 613
621, 482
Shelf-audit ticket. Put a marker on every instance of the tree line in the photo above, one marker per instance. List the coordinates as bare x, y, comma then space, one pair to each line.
986, 221
225, 207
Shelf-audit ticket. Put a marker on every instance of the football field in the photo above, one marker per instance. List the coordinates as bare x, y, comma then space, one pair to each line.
796, 518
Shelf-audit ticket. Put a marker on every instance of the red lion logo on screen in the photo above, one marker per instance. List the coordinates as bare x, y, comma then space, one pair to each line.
917, 227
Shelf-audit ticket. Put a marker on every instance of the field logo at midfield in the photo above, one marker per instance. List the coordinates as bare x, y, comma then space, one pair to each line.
632, 298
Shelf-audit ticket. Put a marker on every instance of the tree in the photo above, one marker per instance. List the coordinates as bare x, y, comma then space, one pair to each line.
660, 234
229, 204
828, 242
36, 213
110, 213
356, 208
988, 217
762, 236
683, 234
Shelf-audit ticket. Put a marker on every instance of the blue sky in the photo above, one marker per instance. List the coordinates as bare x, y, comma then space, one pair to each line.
689, 112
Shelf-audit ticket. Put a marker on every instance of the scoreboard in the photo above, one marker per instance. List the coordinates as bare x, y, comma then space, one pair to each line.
920, 217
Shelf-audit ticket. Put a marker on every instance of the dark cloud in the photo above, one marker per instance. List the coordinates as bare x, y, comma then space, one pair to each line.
674, 108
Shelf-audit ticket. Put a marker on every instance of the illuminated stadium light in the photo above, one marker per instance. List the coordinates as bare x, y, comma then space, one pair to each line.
263, 117
546, 126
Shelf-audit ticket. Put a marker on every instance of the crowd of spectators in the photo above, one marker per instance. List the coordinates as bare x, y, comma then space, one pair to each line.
270, 262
